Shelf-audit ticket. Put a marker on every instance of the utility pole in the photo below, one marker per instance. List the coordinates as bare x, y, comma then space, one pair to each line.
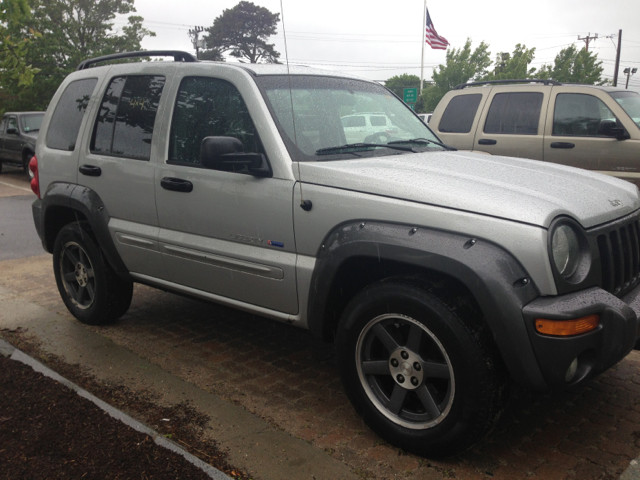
587, 39
615, 72
193, 33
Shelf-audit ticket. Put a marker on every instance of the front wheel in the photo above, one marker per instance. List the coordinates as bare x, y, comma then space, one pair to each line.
422, 373
90, 289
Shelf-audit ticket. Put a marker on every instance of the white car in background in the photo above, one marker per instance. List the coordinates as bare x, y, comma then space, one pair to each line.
367, 127
425, 117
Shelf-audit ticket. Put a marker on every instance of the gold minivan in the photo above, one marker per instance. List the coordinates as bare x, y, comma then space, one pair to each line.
596, 128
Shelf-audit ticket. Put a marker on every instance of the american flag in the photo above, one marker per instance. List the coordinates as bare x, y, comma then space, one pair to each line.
434, 40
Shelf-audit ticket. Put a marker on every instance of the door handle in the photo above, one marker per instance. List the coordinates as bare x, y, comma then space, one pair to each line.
562, 145
176, 184
487, 141
90, 170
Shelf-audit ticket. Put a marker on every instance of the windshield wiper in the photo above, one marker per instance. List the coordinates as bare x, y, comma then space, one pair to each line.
424, 140
351, 146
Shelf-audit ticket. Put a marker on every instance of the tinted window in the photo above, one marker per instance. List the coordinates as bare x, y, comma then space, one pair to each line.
124, 126
516, 113
459, 114
208, 107
378, 121
580, 115
357, 121
67, 117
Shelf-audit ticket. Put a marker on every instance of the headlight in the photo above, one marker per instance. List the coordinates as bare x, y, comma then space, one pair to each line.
565, 249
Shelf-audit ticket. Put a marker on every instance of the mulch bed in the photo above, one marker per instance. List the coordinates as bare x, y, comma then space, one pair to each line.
49, 431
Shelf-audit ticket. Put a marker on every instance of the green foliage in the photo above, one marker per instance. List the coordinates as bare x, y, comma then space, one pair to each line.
243, 31
462, 65
574, 66
513, 66
398, 83
72, 31
13, 47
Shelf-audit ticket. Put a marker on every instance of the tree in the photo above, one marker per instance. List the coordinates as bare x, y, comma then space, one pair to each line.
398, 83
462, 66
513, 66
13, 47
574, 66
72, 31
243, 31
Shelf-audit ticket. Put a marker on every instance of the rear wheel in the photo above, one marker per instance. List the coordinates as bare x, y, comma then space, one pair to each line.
90, 289
423, 374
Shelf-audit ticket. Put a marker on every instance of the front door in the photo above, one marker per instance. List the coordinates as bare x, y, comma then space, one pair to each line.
224, 232
513, 122
575, 136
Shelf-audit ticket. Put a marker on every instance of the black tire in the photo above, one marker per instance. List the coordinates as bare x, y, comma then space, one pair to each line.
0, 166
90, 289
454, 385
25, 165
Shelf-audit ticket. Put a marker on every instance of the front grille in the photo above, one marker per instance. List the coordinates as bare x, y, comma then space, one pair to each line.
620, 256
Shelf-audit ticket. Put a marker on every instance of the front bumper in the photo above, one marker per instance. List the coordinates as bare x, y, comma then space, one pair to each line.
597, 350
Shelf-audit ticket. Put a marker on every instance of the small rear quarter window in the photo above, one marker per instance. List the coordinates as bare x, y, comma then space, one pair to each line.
67, 117
459, 114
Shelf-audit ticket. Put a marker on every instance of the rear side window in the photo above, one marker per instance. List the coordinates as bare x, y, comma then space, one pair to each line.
124, 126
459, 114
516, 113
378, 121
67, 117
208, 107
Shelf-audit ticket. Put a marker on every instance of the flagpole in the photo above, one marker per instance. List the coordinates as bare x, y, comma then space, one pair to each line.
424, 29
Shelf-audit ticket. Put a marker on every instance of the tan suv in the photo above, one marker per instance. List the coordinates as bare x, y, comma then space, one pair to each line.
596, 128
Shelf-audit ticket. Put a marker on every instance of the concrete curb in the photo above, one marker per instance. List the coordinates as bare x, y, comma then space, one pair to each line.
13, 353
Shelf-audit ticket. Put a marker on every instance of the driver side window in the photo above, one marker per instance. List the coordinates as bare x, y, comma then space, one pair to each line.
580, 115
208, 107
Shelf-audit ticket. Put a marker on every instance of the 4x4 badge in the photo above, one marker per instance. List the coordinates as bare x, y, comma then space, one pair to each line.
615, 202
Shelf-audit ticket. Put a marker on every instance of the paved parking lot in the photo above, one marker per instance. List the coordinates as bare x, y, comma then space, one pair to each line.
283, 375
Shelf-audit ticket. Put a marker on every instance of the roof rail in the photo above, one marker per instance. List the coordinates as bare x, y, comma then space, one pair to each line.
497, 82
177, 55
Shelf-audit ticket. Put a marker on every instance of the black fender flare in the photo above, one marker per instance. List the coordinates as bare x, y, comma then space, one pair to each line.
91, 206
496, 279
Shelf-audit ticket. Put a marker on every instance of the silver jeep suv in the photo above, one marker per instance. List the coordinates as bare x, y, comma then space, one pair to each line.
440, 275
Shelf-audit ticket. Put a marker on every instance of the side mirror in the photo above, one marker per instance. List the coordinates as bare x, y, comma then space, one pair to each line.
610, 128
227, 154
12, 131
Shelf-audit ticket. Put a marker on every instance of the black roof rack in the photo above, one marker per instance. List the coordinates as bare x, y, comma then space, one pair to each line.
177, 55
497, 82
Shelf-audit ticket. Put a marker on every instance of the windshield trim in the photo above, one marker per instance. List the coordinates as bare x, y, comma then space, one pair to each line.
296, 154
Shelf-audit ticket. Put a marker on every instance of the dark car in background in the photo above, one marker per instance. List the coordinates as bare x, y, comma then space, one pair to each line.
18, 134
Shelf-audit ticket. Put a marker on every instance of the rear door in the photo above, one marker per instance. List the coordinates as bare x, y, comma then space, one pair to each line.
117, 162
512, 123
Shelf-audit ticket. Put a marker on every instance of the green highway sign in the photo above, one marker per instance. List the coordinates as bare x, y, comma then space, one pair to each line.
410, 95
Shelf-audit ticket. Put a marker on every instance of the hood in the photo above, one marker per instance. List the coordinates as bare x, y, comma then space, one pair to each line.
528, 191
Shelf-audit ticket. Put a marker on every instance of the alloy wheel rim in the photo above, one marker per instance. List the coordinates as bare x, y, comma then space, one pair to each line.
405, 371
77, 275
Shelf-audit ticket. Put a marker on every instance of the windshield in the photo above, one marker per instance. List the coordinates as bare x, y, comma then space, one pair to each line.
630, 103
31, 123
360, 118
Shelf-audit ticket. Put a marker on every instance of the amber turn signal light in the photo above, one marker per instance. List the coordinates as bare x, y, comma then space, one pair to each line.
566, 328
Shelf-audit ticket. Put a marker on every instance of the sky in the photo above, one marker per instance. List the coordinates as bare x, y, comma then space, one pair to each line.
377, 40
